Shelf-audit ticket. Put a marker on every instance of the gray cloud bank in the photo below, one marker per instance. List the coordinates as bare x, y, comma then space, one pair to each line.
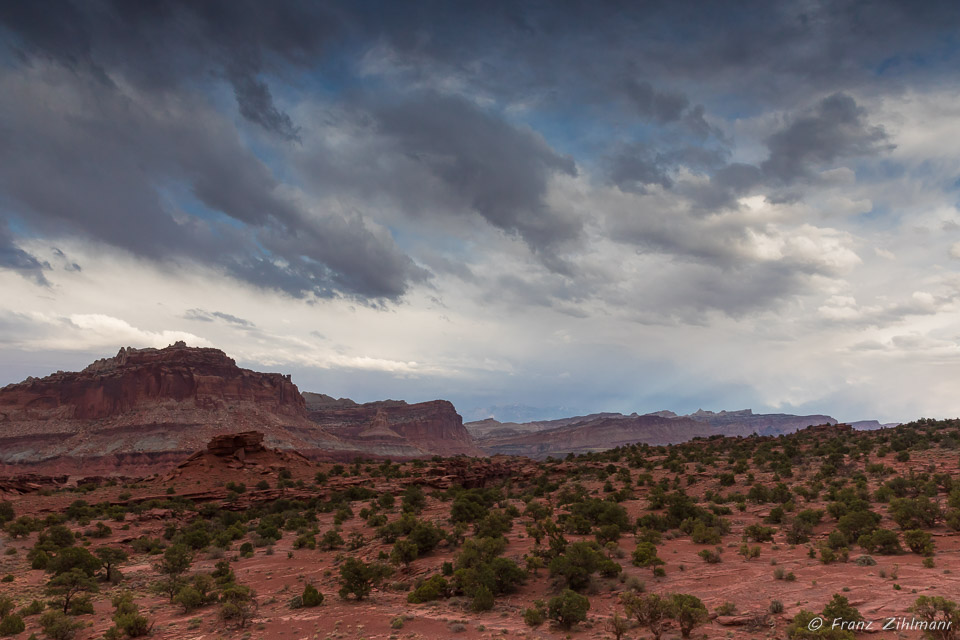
361, 149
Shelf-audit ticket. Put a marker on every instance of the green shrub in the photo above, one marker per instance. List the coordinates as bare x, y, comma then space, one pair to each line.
81, 605
58, 626
7, 513
536, 615
839, 608
688, 611
649, 610
568, 608
433, 588
33, 609
189, 598
882, 541
482, 599
132, 624
645, 555
357, 578
710, 556
702, 534
311, 597
937, 609
759, 533
919, 541
11, 625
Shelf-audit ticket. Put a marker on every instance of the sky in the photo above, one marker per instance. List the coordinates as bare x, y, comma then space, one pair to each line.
532, 209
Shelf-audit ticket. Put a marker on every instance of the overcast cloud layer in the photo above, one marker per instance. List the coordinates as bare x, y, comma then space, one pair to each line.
568, 206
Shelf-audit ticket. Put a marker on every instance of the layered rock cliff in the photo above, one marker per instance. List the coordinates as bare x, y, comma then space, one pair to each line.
145, 409
166, 403
394, 428
141, 379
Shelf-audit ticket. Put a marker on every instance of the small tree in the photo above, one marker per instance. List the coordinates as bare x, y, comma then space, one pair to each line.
618, 625
74, 558
311, 597
404, 552
238, 604
645, 555
839, 608
568, 608
189, 598
482, 599
58, 626
649, 610
688, 611
536, 615
7, 513
127, 618
942, 616
11, 625
175, 562
919, 541
110, 557
67, 585
358, 578
414, 499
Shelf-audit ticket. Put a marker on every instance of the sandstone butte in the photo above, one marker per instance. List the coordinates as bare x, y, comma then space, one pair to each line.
144, 410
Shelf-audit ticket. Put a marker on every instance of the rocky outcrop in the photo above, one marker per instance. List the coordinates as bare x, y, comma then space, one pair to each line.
141, 378
163, 402
395, 428
144, 410
236, 443
29, 482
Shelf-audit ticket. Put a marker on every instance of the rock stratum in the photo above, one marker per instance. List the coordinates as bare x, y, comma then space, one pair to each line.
393, 427
602, 431
150, 409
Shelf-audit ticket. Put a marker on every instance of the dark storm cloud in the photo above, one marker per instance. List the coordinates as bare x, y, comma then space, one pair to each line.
256, 105
160, 45
637, 164
498, 170
109, 124
16, 259
651, 104
836, 128
109, 159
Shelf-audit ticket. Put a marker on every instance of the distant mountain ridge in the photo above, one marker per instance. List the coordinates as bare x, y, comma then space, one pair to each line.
144, 409
601, 431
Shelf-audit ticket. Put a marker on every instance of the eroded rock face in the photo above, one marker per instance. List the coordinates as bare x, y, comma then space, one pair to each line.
145, 410
397, 428
134, 378
232, 443
161, 402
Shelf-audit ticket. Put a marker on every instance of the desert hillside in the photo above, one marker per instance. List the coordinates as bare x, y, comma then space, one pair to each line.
719, 537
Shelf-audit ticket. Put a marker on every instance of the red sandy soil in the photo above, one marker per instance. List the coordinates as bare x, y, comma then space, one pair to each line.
277, 577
